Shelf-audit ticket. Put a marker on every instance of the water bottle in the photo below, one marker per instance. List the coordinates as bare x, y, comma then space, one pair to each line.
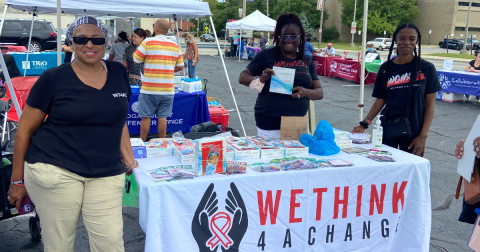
182, 84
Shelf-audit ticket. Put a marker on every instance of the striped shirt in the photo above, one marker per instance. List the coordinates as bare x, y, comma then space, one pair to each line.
161, 56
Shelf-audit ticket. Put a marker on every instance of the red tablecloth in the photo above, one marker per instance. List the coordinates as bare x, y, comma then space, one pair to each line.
322, 64
334, 66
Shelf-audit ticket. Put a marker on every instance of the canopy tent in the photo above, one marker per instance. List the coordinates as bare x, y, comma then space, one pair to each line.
148, 8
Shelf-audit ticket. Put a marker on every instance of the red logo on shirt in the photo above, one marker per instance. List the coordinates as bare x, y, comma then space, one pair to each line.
403, 79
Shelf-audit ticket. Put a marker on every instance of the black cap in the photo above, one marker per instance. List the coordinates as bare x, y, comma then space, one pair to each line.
123, 35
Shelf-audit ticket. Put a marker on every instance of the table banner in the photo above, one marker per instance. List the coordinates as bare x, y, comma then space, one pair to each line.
459, 82
346, 69
37, 63
382, 207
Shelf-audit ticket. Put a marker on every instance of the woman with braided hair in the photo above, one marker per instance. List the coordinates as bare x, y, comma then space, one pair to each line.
288, 52
406, 88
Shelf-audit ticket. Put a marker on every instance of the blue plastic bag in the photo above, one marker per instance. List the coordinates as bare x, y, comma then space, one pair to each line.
322, 142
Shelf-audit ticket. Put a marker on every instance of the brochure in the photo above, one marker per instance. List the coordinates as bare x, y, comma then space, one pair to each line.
282, 81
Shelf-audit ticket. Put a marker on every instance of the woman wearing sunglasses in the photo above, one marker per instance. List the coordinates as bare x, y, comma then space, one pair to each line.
288, 52
74, 162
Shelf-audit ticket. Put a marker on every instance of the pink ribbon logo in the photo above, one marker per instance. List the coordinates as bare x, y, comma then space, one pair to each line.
220, 233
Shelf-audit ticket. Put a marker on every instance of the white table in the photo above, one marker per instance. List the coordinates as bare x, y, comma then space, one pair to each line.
167, 209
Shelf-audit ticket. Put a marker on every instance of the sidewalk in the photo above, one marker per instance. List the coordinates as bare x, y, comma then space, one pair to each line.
427, 57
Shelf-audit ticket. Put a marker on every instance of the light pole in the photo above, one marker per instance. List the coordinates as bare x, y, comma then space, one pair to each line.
464, 47
320, 31
354, 15
268, 33
244, 11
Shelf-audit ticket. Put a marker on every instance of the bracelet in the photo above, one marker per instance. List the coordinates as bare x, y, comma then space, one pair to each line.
134, 163
368, 120
18, 182
364, 124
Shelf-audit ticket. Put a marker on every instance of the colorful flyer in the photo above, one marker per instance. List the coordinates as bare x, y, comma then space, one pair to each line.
282, 81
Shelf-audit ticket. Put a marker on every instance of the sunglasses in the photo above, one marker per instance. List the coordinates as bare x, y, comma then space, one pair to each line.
293, 38
84, 40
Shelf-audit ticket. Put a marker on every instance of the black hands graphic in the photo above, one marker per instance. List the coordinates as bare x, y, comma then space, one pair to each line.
200, 224
236, 207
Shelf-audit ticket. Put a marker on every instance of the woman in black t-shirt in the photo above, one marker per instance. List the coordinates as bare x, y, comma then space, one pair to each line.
288, 52
72, 161
407, 87
134, 70
474, 65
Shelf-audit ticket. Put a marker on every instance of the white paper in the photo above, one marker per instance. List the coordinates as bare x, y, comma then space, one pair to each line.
282, 81
465, 165
371, 57
448, 65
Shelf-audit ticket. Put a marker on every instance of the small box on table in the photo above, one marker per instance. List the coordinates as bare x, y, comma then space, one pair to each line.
138, 147
293, 148
210, 156
184, 152
267, 147
243, 148
159, 147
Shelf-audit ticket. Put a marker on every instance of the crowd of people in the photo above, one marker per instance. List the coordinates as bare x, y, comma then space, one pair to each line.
77, 97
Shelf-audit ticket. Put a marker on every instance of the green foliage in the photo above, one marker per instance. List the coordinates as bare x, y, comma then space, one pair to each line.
330, 34
306, 25
382, 16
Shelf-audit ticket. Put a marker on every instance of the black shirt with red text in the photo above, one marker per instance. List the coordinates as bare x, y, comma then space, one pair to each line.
270, 107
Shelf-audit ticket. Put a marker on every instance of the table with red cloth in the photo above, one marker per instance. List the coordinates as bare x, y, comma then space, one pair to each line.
334, 66
322, 64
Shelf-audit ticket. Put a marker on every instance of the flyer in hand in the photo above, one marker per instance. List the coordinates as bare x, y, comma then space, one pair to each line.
282, 81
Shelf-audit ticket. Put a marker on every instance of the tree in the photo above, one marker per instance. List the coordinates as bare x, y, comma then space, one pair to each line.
382, 16
297, 7
306, 25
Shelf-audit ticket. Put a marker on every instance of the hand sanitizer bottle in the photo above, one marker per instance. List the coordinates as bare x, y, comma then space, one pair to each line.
377, 135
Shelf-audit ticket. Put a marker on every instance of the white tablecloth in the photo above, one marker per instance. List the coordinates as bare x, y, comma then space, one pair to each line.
292, 210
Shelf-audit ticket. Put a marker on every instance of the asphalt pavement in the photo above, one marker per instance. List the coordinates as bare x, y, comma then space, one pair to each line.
451, 123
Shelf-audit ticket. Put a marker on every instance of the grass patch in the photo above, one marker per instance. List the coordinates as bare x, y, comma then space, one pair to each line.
451, 55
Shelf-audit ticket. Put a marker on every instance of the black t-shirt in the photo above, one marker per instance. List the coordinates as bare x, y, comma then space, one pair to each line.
270, 107
83, 130
472, 63
68, 55
395, 91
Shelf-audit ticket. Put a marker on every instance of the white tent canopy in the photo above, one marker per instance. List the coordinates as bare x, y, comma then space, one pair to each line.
255, 21
120, 8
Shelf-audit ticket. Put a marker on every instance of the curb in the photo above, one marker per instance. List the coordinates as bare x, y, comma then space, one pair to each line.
427, 57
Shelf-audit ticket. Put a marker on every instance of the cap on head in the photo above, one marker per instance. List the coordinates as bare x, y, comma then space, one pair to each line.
86, 20
329, 44
261, 33
123, 35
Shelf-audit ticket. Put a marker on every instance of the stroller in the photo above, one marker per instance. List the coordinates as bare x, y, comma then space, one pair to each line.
8, 129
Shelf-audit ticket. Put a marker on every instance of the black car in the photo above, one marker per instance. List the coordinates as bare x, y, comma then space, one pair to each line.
207, 38
17, 31
476, 44
457, 44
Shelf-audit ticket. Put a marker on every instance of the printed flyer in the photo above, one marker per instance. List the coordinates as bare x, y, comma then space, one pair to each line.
282, 81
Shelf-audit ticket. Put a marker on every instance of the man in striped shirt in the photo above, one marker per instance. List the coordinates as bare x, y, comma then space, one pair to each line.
162, 58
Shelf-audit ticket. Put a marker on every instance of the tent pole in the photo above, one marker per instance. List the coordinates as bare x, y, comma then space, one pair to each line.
180, 45
59, 32
225, 46
228, 78
10, 86
27, 64
362, 69
240, 47
3, 18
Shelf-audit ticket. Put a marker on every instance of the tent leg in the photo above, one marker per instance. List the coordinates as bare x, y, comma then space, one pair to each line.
362, 69
59, 32
228, 78
3, 18
10, 86
180, 44
240, 47
225, 46
27, 64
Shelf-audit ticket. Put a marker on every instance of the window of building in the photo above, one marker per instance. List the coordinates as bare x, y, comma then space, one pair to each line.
467, 3
474, 29
460, 28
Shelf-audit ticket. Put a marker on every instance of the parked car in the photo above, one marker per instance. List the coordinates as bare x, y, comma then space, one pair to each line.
476, 44
207, 38
382, 43
17, 31
456, 43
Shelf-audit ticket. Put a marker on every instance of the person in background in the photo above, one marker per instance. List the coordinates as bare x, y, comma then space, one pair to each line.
117, 50
67, 48
149, 33
468, 214
252, 42
236, 41
178, 36
394, 55
191, 54
134, 70
391, 93
309, 49
371, 49
157, 91
329, 50
263, 41
129, 39
73, 163
474, 67
289, 37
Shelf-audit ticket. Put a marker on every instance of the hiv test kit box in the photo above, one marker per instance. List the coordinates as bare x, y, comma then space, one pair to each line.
293, 148
267, 148
138, 147
184, 152
159, 147
210, 156
230, 154
243, 148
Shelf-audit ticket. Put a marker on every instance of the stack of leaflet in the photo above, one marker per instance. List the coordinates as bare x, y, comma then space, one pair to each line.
342, 138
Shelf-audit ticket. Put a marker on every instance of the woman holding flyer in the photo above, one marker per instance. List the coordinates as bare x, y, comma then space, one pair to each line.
287, 93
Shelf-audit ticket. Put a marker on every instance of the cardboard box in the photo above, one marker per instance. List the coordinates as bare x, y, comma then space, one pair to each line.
210, 156
158, 147
247, 151
293, 148
138, 147
188, 148
452, 97
267, 148
292, 127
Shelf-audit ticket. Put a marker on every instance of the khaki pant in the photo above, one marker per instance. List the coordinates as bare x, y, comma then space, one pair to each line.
61, 196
